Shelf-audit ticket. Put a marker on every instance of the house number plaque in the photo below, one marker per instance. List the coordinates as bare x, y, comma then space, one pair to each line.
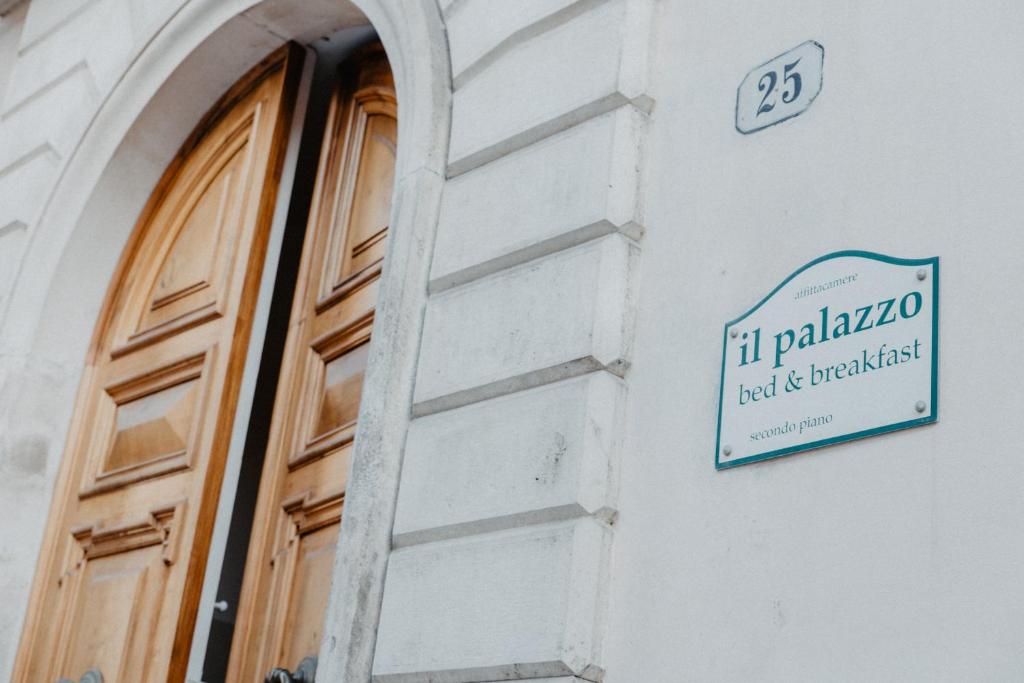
780, 88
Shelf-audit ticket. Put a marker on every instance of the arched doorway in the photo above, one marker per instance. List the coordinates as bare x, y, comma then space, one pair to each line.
416, 195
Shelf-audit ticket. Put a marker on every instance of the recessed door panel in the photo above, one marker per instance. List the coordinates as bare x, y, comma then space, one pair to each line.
112, 590
310, 582
371, 197
150, 424
299, 576
193, 271
112, 598
153, 427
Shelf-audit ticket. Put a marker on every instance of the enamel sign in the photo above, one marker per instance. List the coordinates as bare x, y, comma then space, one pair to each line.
846, 347
781, 88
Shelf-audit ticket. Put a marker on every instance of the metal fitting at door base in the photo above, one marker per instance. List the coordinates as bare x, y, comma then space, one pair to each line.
90, 676
304, 673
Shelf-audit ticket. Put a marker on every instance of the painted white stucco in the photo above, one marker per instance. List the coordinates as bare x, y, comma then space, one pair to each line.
534, 493
896, 558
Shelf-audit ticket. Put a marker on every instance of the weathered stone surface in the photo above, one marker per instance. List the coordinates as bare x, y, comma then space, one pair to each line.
47, 15
582, 182
552, 81
509, 605
537, 455
569, 310
74, 48
481, 25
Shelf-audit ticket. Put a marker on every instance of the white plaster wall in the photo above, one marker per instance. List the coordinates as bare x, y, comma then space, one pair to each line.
896, 558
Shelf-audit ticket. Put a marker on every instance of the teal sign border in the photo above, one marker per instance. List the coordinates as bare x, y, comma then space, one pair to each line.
933, 414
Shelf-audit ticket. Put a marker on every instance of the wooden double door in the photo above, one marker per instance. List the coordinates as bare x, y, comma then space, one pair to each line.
120, 574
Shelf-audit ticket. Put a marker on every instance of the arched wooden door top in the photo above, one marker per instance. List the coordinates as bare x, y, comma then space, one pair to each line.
120, 571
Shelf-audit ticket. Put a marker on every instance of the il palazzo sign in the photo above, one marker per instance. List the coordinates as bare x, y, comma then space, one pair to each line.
845, 347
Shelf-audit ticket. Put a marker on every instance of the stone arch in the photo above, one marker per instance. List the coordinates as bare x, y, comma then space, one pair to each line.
188, 61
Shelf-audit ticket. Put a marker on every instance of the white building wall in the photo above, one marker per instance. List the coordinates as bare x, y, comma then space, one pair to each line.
894, 558
559, 516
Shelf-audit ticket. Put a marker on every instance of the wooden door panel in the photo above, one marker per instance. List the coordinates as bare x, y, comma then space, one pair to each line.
111, 596
196, 251
301, 498
111, 591
371, 196
336, 364
302, 543
342, 385
122, 565
192, 272
362, 170
153, 426
149, 425
357, 304
311, 559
